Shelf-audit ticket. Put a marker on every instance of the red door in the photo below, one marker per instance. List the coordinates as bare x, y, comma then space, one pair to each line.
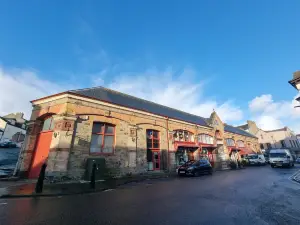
156, 160
41, 153
211, 158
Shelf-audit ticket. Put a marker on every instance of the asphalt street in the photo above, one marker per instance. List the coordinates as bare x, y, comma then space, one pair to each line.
256, 195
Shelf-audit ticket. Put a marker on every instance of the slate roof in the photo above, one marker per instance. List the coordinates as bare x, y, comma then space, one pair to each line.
121, 99
236, 130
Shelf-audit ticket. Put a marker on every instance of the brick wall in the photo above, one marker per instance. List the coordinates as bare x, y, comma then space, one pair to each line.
70, 146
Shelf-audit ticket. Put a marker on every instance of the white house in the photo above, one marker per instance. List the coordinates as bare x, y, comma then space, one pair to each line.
12, 127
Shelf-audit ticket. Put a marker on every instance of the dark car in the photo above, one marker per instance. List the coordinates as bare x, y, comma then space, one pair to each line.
8, 144
196, 168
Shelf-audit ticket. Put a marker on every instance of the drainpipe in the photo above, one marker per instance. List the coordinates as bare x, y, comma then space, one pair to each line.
168, 161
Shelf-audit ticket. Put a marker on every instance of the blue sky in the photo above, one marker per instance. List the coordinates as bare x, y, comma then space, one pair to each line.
219, 54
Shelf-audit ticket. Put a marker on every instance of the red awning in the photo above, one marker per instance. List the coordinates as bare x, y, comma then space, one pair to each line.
246, 151
185, 144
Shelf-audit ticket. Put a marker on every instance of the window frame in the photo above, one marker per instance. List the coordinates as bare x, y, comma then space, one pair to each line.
103, 134
206, 135
240, 141
191, 135
152, 140
234, 143
51, 124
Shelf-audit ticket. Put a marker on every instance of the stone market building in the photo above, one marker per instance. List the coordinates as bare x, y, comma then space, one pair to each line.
132, 135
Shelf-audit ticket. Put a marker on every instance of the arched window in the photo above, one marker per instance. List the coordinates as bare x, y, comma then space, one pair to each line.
48, 124
103, 138
183, 135
230, 142
240, 144
206, 139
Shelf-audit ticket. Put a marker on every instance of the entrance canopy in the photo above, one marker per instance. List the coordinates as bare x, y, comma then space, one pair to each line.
242, 151
184, 145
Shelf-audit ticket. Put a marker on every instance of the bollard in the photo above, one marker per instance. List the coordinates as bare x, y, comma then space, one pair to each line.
40, 182
93, 177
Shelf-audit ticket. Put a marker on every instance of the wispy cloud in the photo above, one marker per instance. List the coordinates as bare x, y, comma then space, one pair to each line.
270, 114
180, 90
177, 89
20, 86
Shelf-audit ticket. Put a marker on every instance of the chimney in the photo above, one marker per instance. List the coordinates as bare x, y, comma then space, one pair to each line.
296, 74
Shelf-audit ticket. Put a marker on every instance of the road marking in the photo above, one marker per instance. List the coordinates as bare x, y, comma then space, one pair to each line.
109, 190
3, 203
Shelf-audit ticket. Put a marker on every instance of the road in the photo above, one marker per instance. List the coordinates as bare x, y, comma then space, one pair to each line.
8, 160
257, 195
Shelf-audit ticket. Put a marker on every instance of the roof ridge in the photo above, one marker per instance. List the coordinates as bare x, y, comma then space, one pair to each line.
240, 130
141, 99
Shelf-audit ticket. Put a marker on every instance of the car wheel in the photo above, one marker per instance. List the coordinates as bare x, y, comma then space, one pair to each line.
210, 172
272, 165
293, 165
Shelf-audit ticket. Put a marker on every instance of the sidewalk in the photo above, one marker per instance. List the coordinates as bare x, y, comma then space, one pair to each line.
26, 188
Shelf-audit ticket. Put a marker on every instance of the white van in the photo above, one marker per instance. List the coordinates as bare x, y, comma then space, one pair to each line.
256, 159
281, 157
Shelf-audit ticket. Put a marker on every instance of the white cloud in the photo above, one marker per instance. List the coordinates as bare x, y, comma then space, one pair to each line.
176, 90
270, 114
179, 90
19, 87
259, 103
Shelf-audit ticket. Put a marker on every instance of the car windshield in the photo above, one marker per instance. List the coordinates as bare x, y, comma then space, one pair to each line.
277, 155
252, 156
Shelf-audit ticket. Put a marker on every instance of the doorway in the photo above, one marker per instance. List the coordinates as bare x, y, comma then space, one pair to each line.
156, 160
42, 148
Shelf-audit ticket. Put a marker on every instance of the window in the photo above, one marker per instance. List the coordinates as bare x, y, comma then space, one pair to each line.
282, 142
48, 124
261, 146
240, 144
206, 139
291, 143
153, 140
230, 142
297, 142
269, 146
103, 138
183, 135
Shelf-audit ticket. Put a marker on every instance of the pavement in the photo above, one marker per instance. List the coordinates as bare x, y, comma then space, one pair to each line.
26, 188
255, 195
8, 160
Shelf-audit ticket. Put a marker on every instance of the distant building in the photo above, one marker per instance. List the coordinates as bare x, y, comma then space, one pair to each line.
13, 127
279, 138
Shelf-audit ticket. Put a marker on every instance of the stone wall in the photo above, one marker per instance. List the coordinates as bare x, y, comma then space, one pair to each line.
70, 146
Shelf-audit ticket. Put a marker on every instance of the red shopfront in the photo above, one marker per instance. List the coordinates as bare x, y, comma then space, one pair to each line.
185, 151
208, 147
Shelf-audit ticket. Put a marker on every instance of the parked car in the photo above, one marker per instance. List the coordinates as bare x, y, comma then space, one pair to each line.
185, 164
256, 159
196, 168
298, 160
281, 158
8, 144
